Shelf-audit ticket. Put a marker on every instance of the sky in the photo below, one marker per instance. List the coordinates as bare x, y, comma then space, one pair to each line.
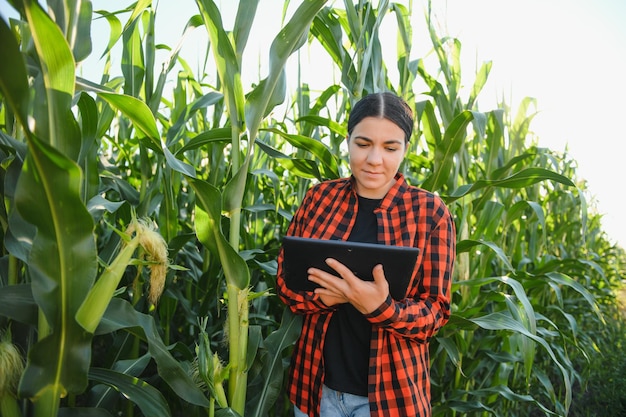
570, 55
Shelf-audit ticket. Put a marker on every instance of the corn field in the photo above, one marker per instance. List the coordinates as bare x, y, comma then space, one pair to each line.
141, 224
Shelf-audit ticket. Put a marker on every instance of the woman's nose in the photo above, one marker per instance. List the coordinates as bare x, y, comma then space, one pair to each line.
374, 156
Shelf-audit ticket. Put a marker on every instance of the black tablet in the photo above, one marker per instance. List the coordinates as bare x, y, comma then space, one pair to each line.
302, 253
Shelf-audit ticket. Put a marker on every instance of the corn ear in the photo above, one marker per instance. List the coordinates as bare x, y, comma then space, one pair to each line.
156, 250
92, 309
211, 369
11, 369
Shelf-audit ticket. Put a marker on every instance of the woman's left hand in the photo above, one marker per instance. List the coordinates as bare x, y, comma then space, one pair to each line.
365, 296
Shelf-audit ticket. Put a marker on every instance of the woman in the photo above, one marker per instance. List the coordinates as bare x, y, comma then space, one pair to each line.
362, 353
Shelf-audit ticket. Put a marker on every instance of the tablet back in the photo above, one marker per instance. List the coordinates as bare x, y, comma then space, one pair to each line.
302, 253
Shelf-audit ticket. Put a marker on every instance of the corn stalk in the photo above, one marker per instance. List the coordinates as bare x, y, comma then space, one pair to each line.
244, 114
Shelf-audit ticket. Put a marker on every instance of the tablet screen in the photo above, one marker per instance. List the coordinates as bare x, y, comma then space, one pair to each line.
302, 253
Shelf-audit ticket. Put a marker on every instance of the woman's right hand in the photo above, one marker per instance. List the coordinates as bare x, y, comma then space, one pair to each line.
365, 296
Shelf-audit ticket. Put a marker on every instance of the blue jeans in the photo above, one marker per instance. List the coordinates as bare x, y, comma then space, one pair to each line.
340, 404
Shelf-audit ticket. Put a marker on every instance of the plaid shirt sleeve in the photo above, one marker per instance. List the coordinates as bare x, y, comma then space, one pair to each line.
299, 302
427, 305
399, 379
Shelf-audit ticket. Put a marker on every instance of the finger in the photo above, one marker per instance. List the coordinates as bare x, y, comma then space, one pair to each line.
329, 292
327, 281
343, 271
379, 278
379, 273
320, 275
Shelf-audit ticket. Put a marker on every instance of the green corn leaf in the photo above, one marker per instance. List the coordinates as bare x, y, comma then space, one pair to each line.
88, 156
431, 129
226, 412
235, 189
138, 10
466, 406
115, 31
521, 179
19, 237
139, 113
58, 72
406, 68
57, 60
178, 165
13, 78
246, 12
520, 293
217, 135
133, 60
519, 160
567, 281
452, 141
17, 303
518, 209
276, 96
437, 91
506, 392
521, 124
494, 139
322, 102
530, 176
315, 147
84, 412
337, 128
487, 226
502, 322
62, 265
203, 102
271, 151
288, 40
147, 398
208, 229
74, 17
452, 350
265, 389
322, 28
466, 244
105, 396
225, 60
304, 168
150, 52
372, 71
120, 315
481, 79
548, 385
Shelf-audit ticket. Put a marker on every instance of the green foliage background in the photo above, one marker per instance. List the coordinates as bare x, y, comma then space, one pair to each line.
220, 168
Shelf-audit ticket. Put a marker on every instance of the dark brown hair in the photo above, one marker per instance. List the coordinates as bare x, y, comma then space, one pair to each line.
383, 105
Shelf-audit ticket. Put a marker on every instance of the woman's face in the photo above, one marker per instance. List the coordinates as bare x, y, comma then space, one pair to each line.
376, 149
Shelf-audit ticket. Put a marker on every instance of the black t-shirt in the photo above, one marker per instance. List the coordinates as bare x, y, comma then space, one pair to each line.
347, 346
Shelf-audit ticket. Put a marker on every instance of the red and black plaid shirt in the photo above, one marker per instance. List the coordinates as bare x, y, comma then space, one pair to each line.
399, 365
